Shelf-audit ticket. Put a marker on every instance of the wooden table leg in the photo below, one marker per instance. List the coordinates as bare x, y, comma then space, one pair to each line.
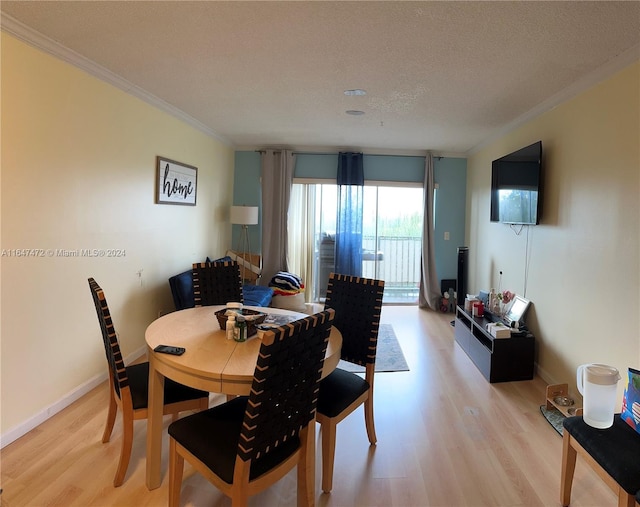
569, 455
154, 426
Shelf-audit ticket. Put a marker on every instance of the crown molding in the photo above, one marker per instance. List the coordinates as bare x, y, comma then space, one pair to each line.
623, 60
34, 38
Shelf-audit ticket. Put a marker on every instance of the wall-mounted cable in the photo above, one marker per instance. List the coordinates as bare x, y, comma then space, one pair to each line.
527, 260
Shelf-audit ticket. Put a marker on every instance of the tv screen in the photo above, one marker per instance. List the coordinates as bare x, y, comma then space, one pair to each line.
516, 186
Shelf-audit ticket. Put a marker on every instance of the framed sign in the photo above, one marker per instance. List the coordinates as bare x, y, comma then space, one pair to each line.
176, 183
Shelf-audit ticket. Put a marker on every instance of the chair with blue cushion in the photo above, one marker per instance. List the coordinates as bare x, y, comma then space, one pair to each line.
183, 297
247, 444
129, 387
358, 304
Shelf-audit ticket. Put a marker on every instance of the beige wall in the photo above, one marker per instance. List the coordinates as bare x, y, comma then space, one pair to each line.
581, 265
78, 171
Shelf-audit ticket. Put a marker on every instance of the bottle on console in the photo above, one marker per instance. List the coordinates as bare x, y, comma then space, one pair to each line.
492, 300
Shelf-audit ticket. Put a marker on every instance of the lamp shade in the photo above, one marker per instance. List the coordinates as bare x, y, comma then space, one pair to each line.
244, 215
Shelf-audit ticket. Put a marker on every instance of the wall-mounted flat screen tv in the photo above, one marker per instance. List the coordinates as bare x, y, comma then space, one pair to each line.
516, 186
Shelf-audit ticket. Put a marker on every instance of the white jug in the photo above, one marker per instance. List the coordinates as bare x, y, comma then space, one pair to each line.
597, 384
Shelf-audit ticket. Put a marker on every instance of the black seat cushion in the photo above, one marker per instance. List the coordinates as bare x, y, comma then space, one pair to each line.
339, 390
615, 449
212, 436
173, 392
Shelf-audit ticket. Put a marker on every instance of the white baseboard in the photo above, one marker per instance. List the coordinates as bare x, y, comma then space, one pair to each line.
544, 375
25, 427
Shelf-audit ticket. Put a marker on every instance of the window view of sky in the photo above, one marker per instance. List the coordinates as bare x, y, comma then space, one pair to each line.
391, 206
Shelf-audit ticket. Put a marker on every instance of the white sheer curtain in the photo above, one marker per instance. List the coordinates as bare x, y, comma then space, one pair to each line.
277, 176
302, 234
429, 291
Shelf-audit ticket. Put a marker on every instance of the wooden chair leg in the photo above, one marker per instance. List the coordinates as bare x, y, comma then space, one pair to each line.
306, 467
569, 455
625, 499
328, 454
368, 419
111, 417
176, 469
238, 491
125, 451
239, 499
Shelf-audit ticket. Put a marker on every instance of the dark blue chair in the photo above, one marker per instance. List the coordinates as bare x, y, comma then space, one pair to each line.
182, 290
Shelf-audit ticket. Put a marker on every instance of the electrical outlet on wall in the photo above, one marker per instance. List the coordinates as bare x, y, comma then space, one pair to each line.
446, 235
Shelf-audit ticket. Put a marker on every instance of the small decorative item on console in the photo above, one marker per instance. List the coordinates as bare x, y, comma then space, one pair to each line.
503, 299
478, 309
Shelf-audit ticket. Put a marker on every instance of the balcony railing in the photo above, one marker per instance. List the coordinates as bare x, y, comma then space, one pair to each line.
394, 259
399, 267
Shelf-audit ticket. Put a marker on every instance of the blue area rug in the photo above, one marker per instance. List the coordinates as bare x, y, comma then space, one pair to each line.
389, 356
554, 417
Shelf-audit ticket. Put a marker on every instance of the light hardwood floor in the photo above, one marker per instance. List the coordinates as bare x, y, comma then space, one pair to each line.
446, 437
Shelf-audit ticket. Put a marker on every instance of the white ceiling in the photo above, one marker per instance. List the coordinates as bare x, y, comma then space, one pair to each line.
441, 76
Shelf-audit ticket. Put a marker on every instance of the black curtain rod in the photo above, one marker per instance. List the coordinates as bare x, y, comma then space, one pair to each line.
335, 153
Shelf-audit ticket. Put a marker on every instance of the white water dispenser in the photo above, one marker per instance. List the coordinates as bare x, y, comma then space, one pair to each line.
597, 384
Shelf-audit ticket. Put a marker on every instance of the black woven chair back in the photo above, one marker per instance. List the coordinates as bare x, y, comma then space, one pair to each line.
118, 372
284, 392
216, 283
358, 303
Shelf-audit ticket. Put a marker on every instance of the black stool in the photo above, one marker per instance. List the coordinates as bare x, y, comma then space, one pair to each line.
614, 453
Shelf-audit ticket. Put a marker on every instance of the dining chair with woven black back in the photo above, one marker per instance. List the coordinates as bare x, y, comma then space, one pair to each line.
247, 444
358, 303
129, 387
216, 283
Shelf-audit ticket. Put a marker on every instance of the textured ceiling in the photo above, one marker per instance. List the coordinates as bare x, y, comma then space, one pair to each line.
444, 76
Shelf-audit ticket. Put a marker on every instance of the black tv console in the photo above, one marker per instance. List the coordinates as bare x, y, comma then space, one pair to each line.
498, 359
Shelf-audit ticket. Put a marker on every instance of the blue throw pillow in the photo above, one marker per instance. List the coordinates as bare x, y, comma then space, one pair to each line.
256, 295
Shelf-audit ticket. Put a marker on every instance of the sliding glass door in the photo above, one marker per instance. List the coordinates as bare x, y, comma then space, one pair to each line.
392, 235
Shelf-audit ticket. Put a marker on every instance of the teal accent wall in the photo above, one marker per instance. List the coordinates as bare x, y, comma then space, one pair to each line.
449, 173
451, 176
246, 192
376, 167
393, 168
317, 166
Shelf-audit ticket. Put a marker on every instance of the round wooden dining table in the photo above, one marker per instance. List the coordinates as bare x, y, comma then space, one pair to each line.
210, 362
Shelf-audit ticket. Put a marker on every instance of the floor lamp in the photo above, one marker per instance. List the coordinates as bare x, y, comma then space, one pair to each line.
244, 216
